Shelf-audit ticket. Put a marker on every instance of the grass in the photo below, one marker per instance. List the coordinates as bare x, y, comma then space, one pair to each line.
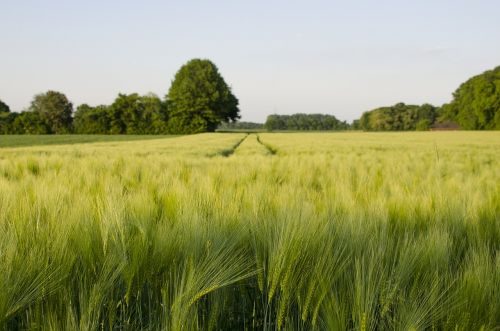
341, 231
35, 140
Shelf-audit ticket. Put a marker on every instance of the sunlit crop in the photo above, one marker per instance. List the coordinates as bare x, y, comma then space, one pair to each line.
275, 231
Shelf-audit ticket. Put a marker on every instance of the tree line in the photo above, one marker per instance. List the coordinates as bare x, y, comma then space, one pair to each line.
475, 106
476, 103
304, 122
400, 117
128, 114
198, 100
52, 113
240, 126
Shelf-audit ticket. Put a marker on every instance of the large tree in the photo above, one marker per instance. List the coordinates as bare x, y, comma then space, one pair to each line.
54, 110
199, 99
476, 103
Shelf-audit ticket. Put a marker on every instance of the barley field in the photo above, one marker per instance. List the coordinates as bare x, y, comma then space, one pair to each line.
16, 140
267, 231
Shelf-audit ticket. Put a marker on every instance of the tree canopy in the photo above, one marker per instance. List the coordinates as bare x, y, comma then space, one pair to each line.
6, 118
54, 110
476, 103
400, 117
128, 114
475, 106
91, 120
4, 108
50, 112
304, 122
240, 126
29, 122
199, 99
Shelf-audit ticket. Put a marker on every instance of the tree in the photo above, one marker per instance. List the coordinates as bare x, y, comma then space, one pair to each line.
6, 122
143, 114
29, 122
199, 99
275, 122
126, 114
423, 125
240, 126
476, 103
6, 118
355, 125
91, 120
304, 122
399, 117
54, 110
135, 114
427, 112
155, 115
4, 108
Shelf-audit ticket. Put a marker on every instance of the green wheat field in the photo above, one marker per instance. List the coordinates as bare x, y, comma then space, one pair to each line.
267, 231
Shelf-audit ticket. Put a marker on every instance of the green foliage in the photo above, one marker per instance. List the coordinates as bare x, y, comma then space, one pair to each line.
304, 122
423, 125
91, 120
154, 119
4, 108
228, 126
355, 125
54, 111
6, 119
50, 112
29, 122
400, 117
128, 114
476, 103
199, 99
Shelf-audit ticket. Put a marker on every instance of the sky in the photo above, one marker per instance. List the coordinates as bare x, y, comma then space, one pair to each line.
333, 57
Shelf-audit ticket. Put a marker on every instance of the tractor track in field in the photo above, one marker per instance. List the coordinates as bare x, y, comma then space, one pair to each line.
269, 148
230, 151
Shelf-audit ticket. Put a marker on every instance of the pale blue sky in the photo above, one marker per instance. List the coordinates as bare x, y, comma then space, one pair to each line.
336, 57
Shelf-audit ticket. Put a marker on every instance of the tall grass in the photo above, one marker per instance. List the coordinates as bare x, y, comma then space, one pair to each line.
330, 232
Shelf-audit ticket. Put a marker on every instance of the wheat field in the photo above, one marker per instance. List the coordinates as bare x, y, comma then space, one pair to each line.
268, 231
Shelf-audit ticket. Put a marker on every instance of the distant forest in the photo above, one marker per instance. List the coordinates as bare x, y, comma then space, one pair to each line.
295, 122
304, 122
199, 100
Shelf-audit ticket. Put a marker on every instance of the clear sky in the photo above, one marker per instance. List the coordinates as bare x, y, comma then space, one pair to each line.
335, 57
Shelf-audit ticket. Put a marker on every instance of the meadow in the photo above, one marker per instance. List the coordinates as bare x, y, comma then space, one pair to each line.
262, 231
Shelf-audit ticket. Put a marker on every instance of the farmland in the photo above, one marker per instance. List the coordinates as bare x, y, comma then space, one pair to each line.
267, 231
34, 140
